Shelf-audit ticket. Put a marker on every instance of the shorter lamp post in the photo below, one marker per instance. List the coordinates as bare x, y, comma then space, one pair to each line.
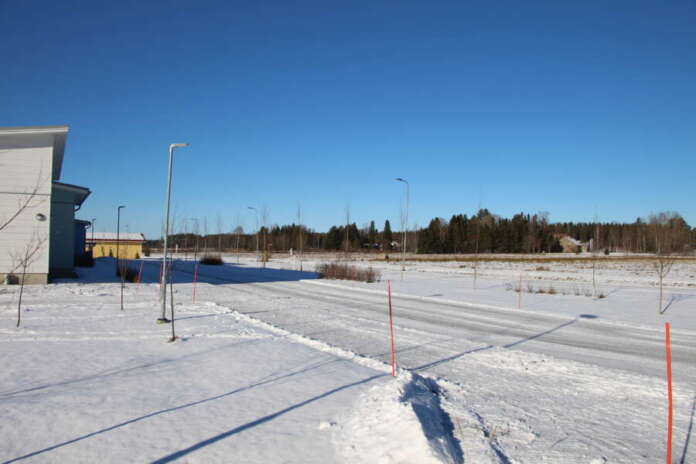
119, 270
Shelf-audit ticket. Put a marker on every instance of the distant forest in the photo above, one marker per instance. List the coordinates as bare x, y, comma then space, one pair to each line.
483, 232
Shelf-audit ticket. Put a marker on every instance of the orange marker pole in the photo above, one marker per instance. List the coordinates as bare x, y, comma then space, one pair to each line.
391, 329
519, 294
195, 279
668, 347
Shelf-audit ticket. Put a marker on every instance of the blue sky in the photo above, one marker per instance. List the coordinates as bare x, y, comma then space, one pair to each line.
567, 107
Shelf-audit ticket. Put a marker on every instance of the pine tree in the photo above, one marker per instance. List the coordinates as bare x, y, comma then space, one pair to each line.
387, 234
372, 233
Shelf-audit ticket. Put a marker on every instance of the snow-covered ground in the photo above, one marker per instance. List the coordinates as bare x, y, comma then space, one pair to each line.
628, 287
274, 366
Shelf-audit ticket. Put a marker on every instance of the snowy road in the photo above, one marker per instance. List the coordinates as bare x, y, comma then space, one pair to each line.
454, 326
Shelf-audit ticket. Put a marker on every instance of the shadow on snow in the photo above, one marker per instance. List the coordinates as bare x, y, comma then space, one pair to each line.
104, 271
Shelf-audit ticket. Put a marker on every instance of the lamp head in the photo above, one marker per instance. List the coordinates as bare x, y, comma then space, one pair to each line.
178, 145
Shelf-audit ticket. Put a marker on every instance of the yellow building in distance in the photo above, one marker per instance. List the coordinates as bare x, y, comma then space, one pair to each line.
130, 246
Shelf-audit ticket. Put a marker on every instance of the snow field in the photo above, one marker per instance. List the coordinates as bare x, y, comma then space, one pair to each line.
319, 355
85, 382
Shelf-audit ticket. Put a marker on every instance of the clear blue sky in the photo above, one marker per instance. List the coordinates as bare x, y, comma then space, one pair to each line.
565, 107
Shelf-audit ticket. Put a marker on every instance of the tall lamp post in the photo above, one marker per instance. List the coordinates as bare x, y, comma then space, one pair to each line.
119, 271
405, 224
163, 319
257, 230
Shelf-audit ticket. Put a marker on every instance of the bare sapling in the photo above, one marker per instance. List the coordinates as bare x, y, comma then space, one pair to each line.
300, 236
171, 296
219, 232
264, 224
205, 234
478, 222
22, 260
595, 244
347, 236
662, 265
25, 200
238, 231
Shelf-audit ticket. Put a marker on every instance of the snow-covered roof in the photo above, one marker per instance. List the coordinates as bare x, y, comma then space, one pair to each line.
573, 240
112, 236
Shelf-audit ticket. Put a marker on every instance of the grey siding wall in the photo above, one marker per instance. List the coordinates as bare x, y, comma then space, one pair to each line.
25, 162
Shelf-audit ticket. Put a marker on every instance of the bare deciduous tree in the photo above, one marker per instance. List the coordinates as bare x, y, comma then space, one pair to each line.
662, 265
300, 235
219, 232
25, 200
347, 229
264, 224
237, 231
667, 239
22, 259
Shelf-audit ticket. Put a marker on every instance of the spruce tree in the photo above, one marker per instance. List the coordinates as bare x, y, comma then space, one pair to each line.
387, 234
372, 233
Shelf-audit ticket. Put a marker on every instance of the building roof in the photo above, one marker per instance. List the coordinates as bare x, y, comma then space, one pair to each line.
573, 240
81, 193
111, 236
59, 133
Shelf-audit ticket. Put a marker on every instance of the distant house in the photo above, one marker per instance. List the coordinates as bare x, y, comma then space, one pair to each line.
129, 245
37, 212
571, 245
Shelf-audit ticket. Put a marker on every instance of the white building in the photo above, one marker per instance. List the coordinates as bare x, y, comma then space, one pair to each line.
37, 213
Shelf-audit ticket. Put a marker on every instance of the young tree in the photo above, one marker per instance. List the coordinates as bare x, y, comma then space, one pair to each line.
25, 200
264, 226
387, 235
595, 244
347, 228
664, 244
372, 233
22, 260
237, 231
196, 232
219, 231
205, 234
300, 235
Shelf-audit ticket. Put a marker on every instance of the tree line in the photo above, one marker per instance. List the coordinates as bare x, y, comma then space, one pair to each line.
483, 232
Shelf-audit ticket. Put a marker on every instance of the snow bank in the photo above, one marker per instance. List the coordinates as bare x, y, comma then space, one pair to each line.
399, 422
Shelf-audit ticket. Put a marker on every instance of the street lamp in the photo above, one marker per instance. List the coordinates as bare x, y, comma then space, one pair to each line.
164, 319
119, 271
91, 249
118, 232
257, 231
405, 224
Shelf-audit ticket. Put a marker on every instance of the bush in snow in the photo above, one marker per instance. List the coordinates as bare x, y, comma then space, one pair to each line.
347, 272
214, 260
128, 273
